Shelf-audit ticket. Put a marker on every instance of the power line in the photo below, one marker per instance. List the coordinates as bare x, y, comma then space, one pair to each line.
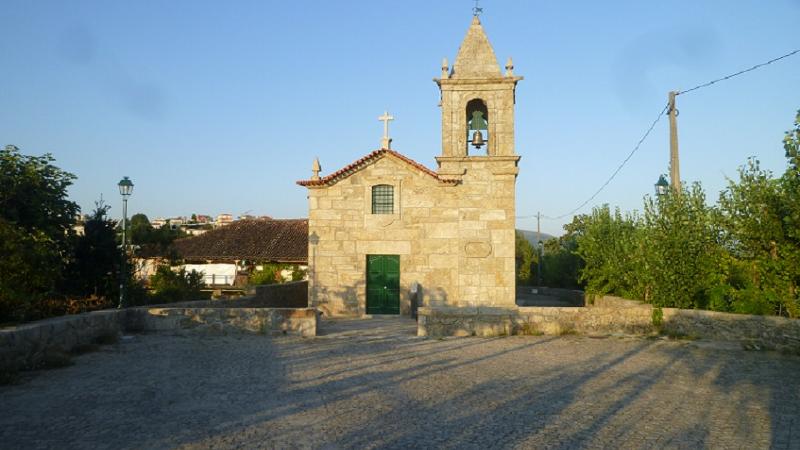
647, 133
613, 175
757, 66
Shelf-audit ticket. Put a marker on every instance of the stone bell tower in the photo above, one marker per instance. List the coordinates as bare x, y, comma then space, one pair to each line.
476, 96
478, 154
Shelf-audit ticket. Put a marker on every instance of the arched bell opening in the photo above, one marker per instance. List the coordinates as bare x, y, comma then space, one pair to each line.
477, 128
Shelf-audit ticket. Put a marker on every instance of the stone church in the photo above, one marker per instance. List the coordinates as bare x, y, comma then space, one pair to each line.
387, 233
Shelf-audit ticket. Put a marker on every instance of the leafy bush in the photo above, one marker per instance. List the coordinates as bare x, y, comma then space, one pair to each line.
272, 273
171, 286
36, 221
269, 274
525, 256
742, 255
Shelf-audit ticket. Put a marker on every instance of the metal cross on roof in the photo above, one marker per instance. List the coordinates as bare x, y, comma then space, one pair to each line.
476, 11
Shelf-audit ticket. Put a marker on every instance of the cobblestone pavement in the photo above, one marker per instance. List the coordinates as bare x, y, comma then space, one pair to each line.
372, 384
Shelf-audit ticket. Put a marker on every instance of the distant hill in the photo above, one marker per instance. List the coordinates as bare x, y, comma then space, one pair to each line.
531, 236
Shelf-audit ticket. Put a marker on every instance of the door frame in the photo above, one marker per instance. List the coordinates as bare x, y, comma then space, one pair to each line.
391, 287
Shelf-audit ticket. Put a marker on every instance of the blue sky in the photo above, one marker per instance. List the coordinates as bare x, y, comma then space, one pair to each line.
215, 107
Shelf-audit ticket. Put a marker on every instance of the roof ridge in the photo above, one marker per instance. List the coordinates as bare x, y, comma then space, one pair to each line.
361, 162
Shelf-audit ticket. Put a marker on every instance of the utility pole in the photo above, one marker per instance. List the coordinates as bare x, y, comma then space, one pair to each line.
540, 248
674, 161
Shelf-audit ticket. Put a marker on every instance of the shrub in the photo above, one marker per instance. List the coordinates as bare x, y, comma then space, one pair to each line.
272, 273
269, 274
171, 286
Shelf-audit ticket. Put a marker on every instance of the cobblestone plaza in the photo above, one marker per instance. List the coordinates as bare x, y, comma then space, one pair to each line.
373, 384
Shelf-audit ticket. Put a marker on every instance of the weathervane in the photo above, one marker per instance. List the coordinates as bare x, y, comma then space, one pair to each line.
476, 11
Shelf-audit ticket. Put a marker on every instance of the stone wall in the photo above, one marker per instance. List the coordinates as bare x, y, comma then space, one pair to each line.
611, 315
572, 296
273, 321
293, 294
28, 345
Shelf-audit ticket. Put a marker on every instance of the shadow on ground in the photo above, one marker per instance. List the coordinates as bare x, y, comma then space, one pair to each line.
373, 383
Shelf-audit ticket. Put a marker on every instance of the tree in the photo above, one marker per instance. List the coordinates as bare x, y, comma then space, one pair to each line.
33, 195
610, 246
155, 240
680, 252
562, 263
36, 221
525, 257
761, 218
94, 269
141, 230
170, 286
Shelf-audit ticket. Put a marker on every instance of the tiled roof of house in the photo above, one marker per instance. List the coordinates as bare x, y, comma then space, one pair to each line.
274, 240
361, 163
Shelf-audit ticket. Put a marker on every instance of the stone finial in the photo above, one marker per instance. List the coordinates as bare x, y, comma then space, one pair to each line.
509, 67
315, 168
445, 68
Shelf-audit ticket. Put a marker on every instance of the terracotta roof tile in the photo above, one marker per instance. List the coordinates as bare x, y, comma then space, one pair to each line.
276, 240
360, 163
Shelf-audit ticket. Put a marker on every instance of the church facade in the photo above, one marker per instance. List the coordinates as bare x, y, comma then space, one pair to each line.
386, 232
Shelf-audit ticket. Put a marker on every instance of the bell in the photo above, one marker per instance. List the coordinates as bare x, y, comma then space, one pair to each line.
477, 139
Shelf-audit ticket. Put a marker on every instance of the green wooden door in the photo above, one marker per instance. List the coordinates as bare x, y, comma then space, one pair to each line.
383, 284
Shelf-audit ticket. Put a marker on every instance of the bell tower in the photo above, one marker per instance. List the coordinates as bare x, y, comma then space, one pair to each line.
477, 101
478, 156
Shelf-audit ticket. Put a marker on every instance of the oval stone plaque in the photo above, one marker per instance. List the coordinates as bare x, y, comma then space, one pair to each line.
478, 249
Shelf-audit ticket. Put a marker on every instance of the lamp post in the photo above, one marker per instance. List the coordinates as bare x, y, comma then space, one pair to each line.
541, 264
661, 186
125, 190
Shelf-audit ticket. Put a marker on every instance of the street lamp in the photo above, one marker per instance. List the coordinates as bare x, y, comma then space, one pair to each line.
541, 264
661, 186
125, 190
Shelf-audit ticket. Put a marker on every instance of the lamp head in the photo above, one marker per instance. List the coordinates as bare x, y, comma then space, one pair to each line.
125, 187
661, 186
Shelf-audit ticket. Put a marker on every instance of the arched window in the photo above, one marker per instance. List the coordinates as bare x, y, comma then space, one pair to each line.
383, 199
477, 124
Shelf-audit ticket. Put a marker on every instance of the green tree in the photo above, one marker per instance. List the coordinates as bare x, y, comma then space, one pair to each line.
95, 265
36, 221
140, 229
757, 213
562, 264
154, 240
525, 257
610, 245
681, 252
175, 286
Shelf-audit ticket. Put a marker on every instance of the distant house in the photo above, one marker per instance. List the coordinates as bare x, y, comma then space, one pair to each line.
227, 255
223, 219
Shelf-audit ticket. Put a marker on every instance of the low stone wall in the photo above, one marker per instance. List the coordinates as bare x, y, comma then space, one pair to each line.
273, 321
293, 294
285, 295
29, 345
573, 296
611, 315
765, 331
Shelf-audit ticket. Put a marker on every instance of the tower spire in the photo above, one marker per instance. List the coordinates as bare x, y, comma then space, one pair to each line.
476, 58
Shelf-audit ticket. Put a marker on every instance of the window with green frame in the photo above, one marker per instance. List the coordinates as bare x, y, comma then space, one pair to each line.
383, 199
